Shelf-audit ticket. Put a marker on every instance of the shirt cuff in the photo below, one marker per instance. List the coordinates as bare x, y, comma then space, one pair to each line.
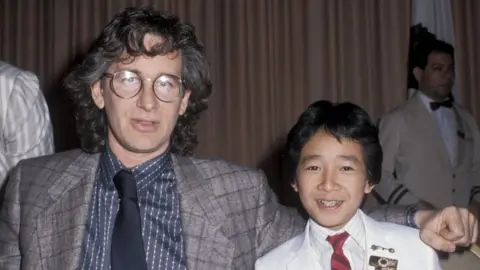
410, 216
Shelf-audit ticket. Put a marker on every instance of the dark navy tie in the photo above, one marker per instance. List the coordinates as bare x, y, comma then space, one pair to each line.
127, 251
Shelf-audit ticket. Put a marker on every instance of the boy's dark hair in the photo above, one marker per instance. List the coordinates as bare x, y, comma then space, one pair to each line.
344, 121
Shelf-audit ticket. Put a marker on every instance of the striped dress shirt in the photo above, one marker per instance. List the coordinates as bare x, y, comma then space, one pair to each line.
159, 210
25, 125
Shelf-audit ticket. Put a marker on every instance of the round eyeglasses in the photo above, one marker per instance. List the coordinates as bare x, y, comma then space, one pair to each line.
127, 84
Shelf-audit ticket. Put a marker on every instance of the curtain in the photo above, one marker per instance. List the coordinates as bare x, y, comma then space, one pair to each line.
270, 59
467, 52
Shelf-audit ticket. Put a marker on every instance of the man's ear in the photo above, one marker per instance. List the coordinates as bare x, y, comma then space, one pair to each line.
97, 94
418, 74
294, 185
185, 101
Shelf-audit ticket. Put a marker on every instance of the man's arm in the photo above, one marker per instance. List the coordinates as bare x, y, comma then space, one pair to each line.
10, 256
27, 131
275, 223
391, 129
398, 214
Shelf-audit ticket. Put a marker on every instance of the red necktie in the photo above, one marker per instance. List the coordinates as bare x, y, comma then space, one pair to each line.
339, 261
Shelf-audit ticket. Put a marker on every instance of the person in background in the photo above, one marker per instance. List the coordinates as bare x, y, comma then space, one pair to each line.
133, 197
431, 143
338, 158
26, 129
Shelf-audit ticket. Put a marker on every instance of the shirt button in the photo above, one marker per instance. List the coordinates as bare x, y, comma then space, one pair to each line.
453, 176
453, 190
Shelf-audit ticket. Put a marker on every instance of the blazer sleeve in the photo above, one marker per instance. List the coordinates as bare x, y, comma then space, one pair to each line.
275, 223
391, 129
10, 210
27, 130
475, 170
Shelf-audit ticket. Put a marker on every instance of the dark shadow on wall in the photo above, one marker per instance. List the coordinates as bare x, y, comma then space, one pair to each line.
279, 173
62, 111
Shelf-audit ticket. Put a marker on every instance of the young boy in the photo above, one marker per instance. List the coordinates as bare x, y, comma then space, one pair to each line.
337, 156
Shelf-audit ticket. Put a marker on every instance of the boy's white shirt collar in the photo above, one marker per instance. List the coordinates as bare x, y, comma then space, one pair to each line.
354, 228
302, 257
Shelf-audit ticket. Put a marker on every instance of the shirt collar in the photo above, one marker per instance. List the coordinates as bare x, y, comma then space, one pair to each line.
354, 227
426, 100
111, 165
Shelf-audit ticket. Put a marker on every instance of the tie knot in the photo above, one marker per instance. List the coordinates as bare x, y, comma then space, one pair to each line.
338, 240
126, 185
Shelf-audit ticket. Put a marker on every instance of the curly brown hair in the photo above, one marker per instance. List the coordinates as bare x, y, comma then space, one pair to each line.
125, 35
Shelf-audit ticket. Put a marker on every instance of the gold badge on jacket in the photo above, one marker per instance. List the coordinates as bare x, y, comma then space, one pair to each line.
382, 263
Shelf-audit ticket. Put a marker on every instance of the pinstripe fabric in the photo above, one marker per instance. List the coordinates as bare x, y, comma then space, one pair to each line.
26, 130
159, 209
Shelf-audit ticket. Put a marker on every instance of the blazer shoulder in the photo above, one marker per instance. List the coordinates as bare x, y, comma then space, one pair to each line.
39, 173
58, 161
30, 181
281, 255
228, 173
220, 165
397, 234
397, 112
464, 112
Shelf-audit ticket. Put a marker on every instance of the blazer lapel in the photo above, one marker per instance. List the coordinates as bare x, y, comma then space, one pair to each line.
424, 124
302, 257
61, 227
376, 245
206, 245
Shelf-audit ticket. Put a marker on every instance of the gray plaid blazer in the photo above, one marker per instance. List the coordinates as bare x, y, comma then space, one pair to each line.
230, 217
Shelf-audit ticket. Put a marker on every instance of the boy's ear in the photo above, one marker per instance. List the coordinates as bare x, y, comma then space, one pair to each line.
368, 188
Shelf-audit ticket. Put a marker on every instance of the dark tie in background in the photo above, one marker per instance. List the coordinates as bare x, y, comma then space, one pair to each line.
339, 261
127, 251
448, 103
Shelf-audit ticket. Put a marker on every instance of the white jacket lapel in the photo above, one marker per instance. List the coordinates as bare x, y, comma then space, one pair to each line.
302, 258
376, 243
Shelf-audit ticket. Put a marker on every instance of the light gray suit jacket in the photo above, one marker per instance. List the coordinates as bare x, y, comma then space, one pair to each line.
230, 216
416, 164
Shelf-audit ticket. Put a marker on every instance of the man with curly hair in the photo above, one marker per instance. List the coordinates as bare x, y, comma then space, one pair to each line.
133, 197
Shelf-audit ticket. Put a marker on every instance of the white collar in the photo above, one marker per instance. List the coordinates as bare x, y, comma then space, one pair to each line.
426, 100
354, 227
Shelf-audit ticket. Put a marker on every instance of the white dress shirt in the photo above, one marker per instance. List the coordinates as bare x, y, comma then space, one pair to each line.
447, 125
25, 126
354, 247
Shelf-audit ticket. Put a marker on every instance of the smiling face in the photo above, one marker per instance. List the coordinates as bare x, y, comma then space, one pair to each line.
331, 179
139, 128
